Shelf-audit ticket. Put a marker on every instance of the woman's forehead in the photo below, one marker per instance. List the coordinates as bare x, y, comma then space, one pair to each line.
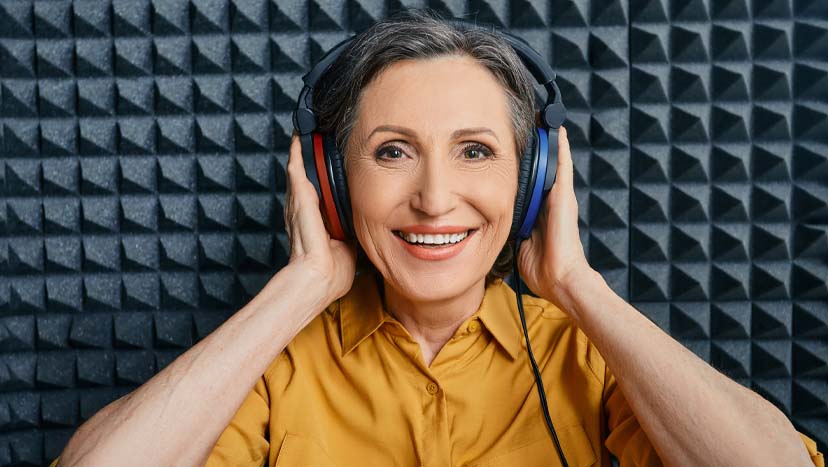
435, 95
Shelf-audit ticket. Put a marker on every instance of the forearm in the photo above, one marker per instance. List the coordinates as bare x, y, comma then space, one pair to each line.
693, 414
176, 416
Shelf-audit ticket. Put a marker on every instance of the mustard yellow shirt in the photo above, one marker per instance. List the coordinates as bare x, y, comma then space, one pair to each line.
352, 389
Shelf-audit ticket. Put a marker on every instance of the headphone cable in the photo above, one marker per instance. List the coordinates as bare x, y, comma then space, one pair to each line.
538, 380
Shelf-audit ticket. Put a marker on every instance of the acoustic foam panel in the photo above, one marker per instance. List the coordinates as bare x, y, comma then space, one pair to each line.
143, 173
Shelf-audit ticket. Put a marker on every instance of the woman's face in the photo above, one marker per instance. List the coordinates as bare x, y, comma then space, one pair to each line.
433, 147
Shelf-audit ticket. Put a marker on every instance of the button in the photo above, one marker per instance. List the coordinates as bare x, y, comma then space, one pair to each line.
473, 326
432, 388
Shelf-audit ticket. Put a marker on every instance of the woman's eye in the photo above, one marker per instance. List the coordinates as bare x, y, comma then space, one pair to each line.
477, 151
389, 152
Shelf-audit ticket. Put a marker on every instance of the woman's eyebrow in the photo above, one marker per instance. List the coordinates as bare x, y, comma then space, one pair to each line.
410, 133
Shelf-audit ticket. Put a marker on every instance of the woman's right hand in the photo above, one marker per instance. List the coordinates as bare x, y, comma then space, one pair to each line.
330, 262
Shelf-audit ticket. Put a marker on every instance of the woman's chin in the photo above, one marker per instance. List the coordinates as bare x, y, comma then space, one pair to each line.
422, 277
437, 285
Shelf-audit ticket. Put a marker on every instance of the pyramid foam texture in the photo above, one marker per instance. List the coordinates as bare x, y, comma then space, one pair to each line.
143, 146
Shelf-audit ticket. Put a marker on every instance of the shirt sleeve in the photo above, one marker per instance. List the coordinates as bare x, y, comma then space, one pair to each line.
245, 442
816, 456
626, 439
628, 442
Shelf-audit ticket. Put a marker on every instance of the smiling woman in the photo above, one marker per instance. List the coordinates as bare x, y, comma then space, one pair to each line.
423, 177
475, 88
419, 359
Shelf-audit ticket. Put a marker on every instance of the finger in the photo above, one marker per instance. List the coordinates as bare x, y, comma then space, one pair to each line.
298, 176
290, 208
565, 169
287, 200
295, 160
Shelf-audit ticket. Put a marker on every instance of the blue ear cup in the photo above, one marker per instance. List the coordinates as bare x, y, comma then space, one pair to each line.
535, 187
527, 173
539, 164
537, 174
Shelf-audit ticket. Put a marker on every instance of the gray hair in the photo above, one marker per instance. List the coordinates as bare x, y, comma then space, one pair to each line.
421, 34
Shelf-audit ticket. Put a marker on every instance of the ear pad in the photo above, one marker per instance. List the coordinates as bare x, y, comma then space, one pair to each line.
339, 184
535, 192
318, 167
526, 177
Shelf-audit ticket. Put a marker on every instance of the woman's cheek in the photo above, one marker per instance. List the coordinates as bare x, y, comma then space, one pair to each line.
492, 194
373, 197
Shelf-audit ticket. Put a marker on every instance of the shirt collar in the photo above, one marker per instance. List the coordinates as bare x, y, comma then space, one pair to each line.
361, 312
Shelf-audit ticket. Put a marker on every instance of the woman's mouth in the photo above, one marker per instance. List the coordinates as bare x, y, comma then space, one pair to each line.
434, 247
433, 240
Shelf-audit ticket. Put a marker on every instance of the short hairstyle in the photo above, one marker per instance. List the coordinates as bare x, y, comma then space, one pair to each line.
421, 34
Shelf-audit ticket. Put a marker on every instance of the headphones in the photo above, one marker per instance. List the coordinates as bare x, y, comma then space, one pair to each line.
324, 164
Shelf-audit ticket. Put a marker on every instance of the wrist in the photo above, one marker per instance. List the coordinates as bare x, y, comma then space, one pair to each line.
308, 287
573, 285
328, 280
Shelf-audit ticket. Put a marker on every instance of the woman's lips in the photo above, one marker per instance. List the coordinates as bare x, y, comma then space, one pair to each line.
435, 252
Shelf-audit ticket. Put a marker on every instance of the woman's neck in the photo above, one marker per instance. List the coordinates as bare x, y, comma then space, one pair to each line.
432, 323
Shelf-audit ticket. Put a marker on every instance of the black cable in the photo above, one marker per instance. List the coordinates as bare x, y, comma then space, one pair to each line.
538, 380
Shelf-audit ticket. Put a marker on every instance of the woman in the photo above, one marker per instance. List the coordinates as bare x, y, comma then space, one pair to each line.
419, 358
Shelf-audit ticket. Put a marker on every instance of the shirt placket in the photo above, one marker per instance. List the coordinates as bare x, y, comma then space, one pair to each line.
434, 444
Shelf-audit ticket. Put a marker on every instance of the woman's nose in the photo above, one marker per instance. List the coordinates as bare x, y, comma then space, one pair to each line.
436, 186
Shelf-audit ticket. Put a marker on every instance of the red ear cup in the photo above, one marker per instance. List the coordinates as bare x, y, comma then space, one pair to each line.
327, 205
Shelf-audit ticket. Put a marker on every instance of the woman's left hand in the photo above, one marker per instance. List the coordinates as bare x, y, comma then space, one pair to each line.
553, 254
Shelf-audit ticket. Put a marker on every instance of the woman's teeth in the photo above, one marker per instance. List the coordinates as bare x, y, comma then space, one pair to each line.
432, 239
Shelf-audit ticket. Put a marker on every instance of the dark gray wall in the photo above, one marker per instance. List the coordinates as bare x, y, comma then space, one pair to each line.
142, 173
